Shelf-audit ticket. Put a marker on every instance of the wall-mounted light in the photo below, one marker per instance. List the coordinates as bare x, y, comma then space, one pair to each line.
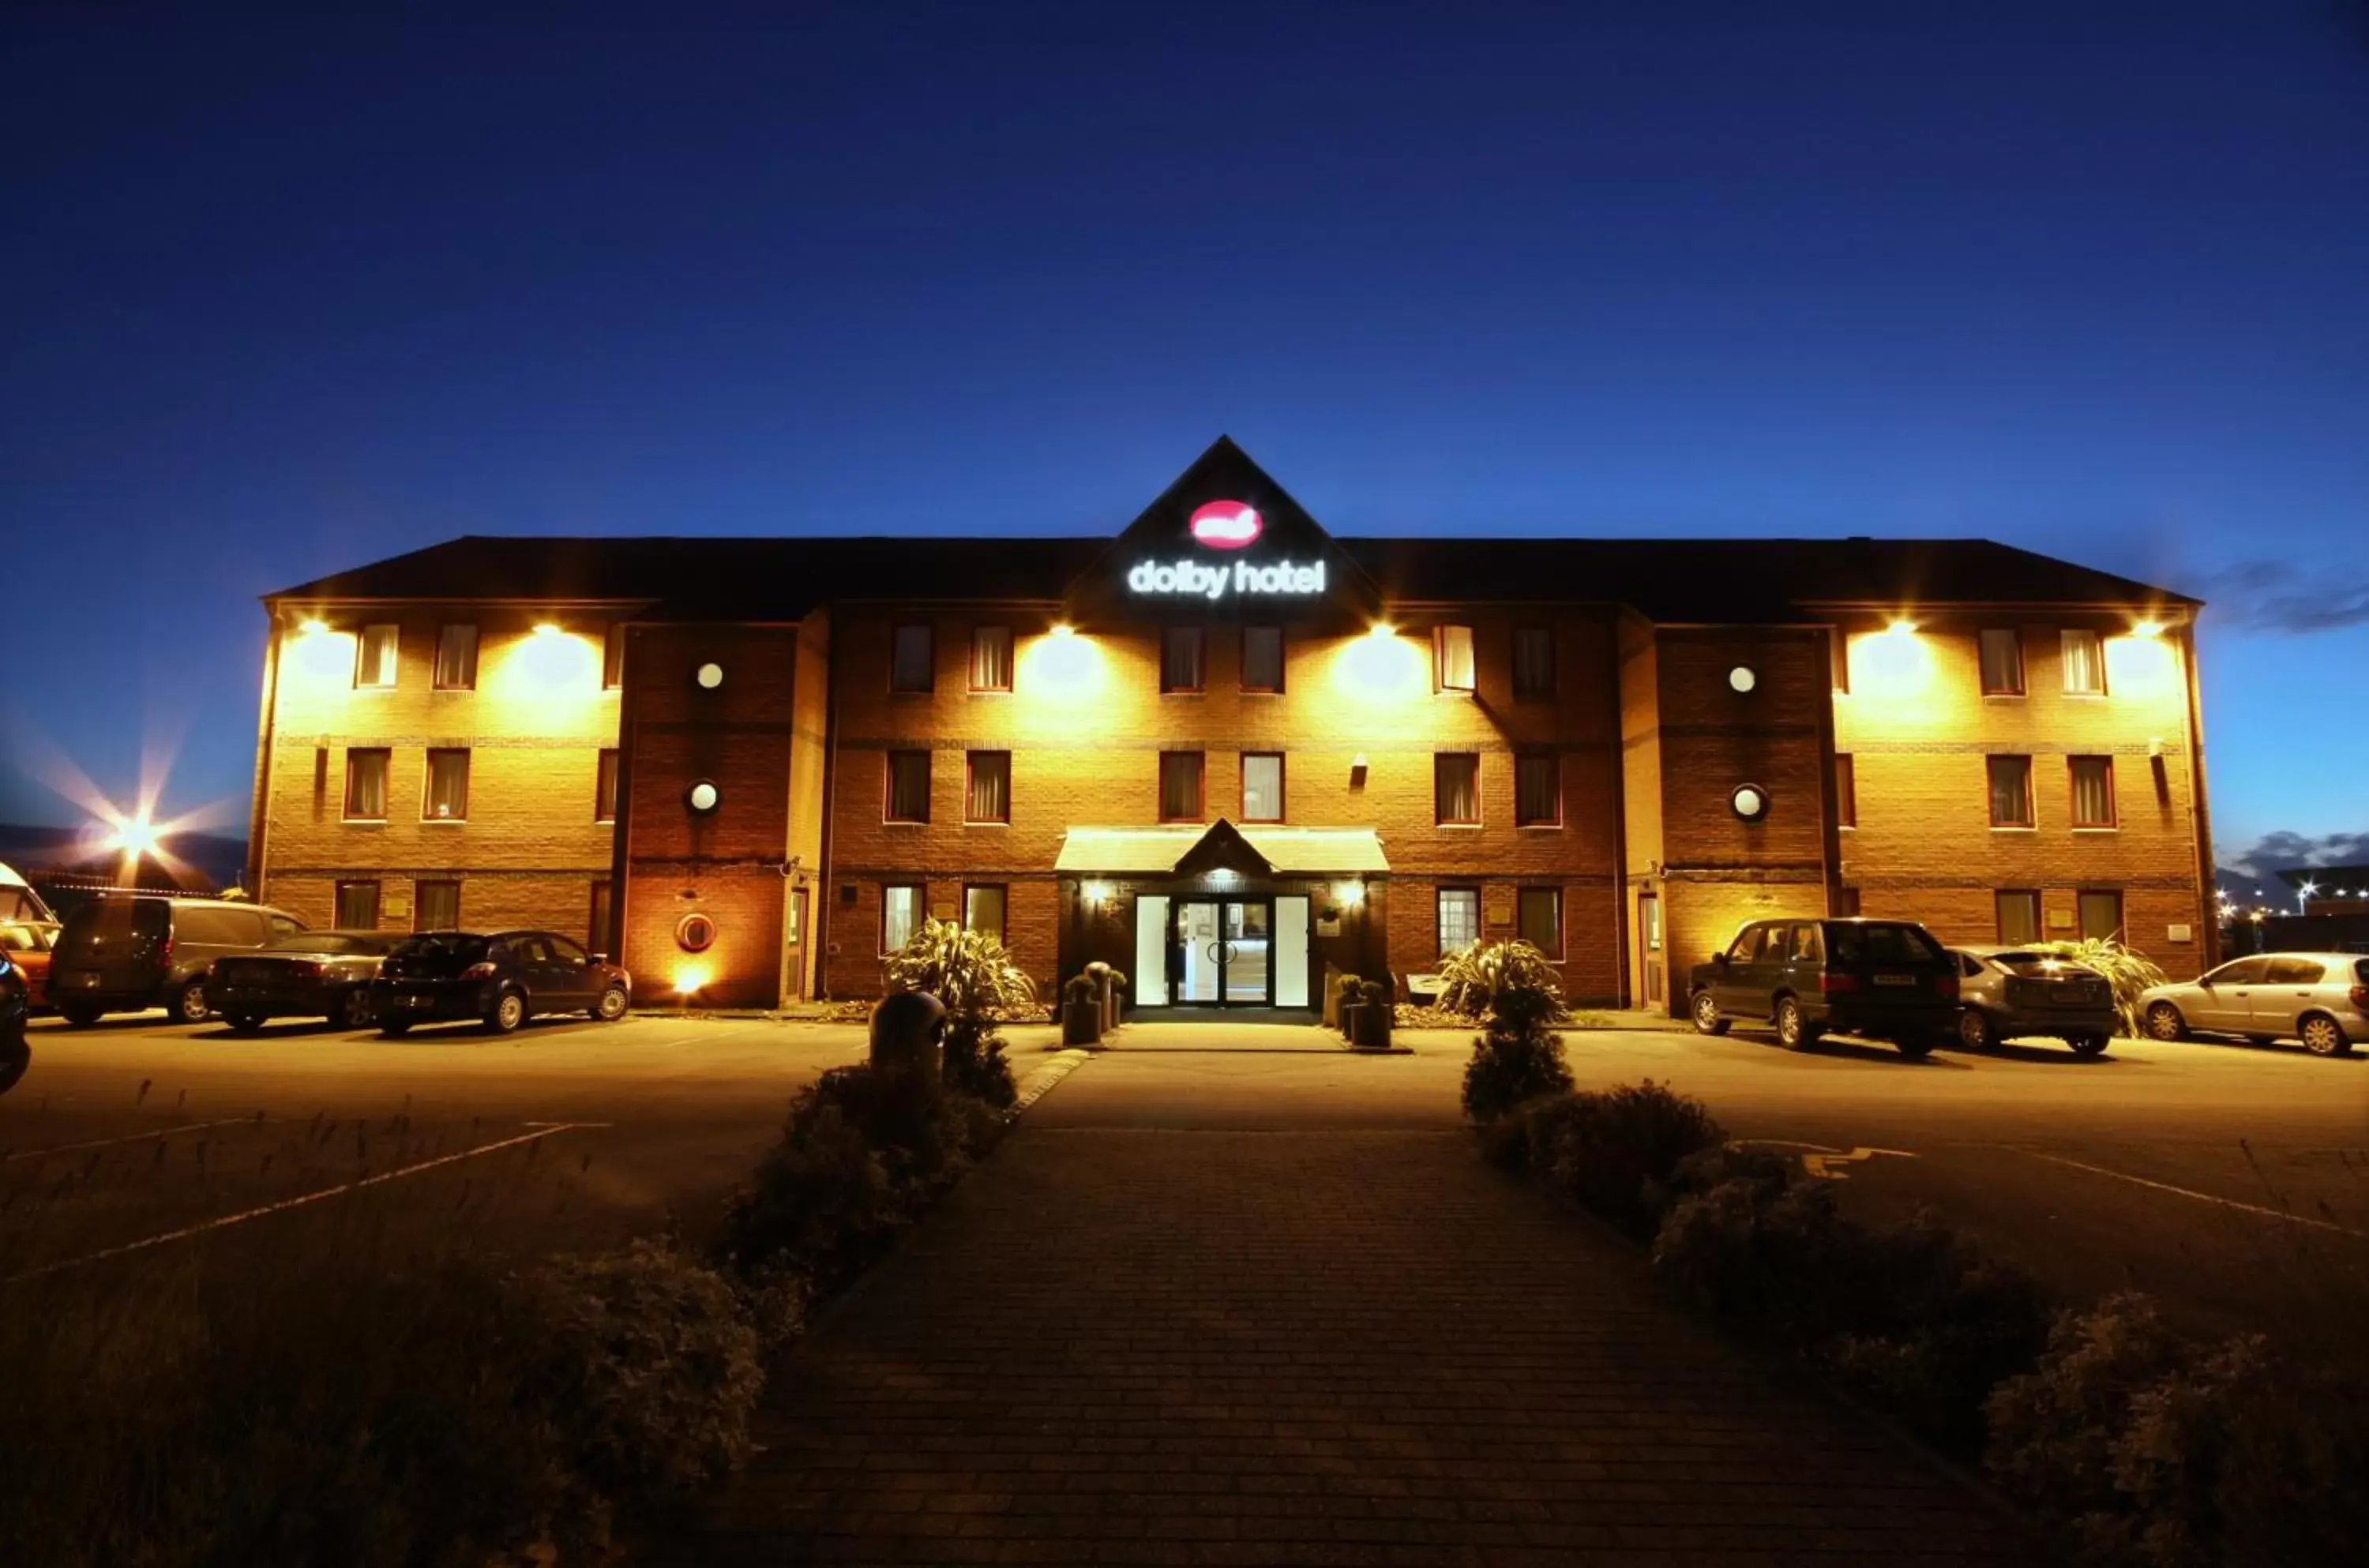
690, 980
1749, 801
694, 933
1382, 632
314, 626
1063, 629
702, 797
709, 676
2147, 628
1349, 895
1743, 678
548, 629
1902, 626
1221, 875
1096, 893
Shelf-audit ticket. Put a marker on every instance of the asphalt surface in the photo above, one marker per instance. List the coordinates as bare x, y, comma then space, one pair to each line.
2234, 1181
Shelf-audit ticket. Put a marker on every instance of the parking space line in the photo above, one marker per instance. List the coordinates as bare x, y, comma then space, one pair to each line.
2292, 1218
298, 1202
128, 1137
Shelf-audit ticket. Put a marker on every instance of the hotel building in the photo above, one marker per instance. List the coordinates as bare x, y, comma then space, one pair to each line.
1226, 749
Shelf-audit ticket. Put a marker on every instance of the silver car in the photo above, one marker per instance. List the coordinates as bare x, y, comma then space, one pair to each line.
2322, 999
2007, 991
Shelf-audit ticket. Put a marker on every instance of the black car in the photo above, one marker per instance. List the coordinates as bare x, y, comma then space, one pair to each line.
127, 955
501, 978
314, 974
1887, 980
16, 1002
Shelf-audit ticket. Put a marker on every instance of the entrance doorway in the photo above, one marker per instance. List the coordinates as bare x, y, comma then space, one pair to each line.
1222, 952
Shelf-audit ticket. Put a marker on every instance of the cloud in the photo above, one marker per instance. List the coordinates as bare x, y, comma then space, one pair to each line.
2273, 596
2286, 852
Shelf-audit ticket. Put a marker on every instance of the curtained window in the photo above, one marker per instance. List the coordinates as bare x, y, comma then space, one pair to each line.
983, 909
1261, 786
991, 659
436, 906
1452, 659
357, 906
456, 657
1180, 660
2093, 792
447, 799
989, 798
1180, 787
2085, 662
1457, 786
2002, 662
366, 785
1538, 792
908, 787
900, 914
1541, 920
2010, 791
1459, 919
1262, 658
374, 656
1534, 670
2019, 916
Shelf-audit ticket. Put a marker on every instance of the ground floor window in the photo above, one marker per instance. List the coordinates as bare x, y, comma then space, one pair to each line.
900, 914
1459, 919
436, 906
983, 909
1541, 920
2101, 915
2019, 916
357, 906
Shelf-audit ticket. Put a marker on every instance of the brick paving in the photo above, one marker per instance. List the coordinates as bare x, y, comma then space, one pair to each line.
1329, 1345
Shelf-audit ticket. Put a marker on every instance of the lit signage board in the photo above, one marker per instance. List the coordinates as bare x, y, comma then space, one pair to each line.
1225, 525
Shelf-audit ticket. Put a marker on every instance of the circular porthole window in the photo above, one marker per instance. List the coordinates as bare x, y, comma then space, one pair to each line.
701, 796
1743, 678
1749, 802
696, 933
710, 677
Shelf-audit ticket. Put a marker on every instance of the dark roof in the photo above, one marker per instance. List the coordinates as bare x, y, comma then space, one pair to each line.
1669, 579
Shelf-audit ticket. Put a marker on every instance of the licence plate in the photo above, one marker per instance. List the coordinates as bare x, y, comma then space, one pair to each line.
87, 982
419, 998
1895, 979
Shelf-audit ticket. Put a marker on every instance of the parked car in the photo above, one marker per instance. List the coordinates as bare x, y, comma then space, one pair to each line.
502, 978
16, 1055
314, 974
28, 943
1887, 980
2007, 991
17, 899
120, 953
2322, 999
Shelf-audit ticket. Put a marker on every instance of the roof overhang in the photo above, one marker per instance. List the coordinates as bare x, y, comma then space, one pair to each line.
1253, 851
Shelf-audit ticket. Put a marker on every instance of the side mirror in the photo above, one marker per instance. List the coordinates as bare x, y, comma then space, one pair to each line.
1720, 958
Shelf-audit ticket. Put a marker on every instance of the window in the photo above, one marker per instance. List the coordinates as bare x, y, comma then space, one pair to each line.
991, 659
366, 785
374, 656
1838, 658
1180, 787
604, 787
447, 799
2010, 791
1262, 658
1456, 786
900, 914
2101, 916
2019, 916
2093, 792
2085, 663
596, 925
1538, 792
1180, 659
1845, 902
983, 909
1745, 949
2294, 972
357, 906
1649, 920
1452, 659
912, 656
1846, 791
456, 657
436, 906
1541, 920
1534, 662
612, 656
1459, 919
987, 797
1261, 786
909, 787
2002, 662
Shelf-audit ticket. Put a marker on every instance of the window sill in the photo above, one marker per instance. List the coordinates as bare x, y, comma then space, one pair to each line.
903, 822
2004, 696
2097, 826
1464, 825
1262, 821
2014, 827
363, 821
444, 822
989, 692
1538, 827
987, 821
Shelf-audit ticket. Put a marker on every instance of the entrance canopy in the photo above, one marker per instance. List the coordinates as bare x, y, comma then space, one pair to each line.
1253, 851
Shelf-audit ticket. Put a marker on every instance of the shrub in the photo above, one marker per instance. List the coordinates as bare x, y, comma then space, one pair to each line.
974, 1064
1510, 1066
1508, 979
975, 979
1612, 1152
2128, 971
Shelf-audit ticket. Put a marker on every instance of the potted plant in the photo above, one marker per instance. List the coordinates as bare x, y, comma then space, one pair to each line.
1081, 1013
1351, 992
1375, 1016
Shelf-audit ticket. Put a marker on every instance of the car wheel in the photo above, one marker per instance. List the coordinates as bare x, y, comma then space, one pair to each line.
2087, 1045
392, 1025
354, 1009
1975, 1031
612, 1005
2163, 1023
79, 1017
1794, 1030
1914, 1044
508, 1012
2323, 1036
245, 1023
1707, 1018
190, 1004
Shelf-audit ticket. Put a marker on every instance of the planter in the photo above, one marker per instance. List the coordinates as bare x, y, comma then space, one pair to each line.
1081, 1023
1352, 1019
1371, 1031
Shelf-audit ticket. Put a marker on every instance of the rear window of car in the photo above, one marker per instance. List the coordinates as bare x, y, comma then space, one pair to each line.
2038, 965
325, 942
2295, 972
451, 947
114, 920
1881, 944
221, 927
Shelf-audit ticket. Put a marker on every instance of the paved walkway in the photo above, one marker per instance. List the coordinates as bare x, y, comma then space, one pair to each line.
1328, 1344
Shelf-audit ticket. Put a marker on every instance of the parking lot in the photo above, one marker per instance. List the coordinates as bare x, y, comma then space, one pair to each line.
2226, 1178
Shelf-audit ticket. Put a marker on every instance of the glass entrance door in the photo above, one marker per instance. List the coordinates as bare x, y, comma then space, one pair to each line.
1222, 952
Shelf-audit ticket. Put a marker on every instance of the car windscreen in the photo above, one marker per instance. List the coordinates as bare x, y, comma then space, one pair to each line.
24, 938
1881, 944
117, 922
19, 904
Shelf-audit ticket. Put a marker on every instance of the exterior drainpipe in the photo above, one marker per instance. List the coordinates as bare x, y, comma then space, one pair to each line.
2208, 908
819, 908
267, 725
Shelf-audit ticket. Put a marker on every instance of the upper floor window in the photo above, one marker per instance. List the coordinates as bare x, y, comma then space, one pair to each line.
612, 660
1181, 666
2093, 791
991, 659
366, 785
1456, 786
2010, 781
1181, 798
1537, 791
1261, 786
2085, 662
456, 657
2002, 662
604, 787
1534, 661
987, 795
907, 798
1262, 658
913, 658
1452, 659
374, 656
447, 799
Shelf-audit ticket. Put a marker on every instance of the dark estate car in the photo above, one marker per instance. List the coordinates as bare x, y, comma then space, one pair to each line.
2008, 992
127, 955
314, 974
1887, 979
502, 979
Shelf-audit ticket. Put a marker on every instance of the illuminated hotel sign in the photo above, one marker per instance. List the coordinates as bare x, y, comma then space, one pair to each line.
1225, 525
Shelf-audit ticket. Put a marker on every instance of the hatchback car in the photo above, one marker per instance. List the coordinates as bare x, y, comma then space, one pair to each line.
502, 979
1887, 980
126, 954
314, 974
27, 944
2322, 999
2007, 991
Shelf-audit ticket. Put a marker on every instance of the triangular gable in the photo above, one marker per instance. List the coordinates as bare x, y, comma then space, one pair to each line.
1224, 543
1223, 848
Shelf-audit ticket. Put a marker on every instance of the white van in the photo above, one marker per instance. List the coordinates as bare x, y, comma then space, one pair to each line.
17, 899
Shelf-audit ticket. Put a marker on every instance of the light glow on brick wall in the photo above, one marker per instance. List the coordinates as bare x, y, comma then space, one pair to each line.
1381, 667
551, 663
2141, 666
1067, 668
1893, 665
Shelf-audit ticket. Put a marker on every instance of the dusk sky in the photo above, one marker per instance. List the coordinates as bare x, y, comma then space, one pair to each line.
2090, 279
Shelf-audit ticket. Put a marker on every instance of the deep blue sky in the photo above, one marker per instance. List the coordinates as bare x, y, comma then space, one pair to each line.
2088, 278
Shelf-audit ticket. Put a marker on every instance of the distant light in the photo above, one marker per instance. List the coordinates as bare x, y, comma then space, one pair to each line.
134, 835
2149, 628
2309, 888
1902, 626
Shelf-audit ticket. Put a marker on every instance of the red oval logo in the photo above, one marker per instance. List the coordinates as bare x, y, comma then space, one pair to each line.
1226, 525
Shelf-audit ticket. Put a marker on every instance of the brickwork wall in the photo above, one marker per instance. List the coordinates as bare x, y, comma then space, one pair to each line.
534, 725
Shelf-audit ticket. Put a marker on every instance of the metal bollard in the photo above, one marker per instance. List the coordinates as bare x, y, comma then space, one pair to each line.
909, 1031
